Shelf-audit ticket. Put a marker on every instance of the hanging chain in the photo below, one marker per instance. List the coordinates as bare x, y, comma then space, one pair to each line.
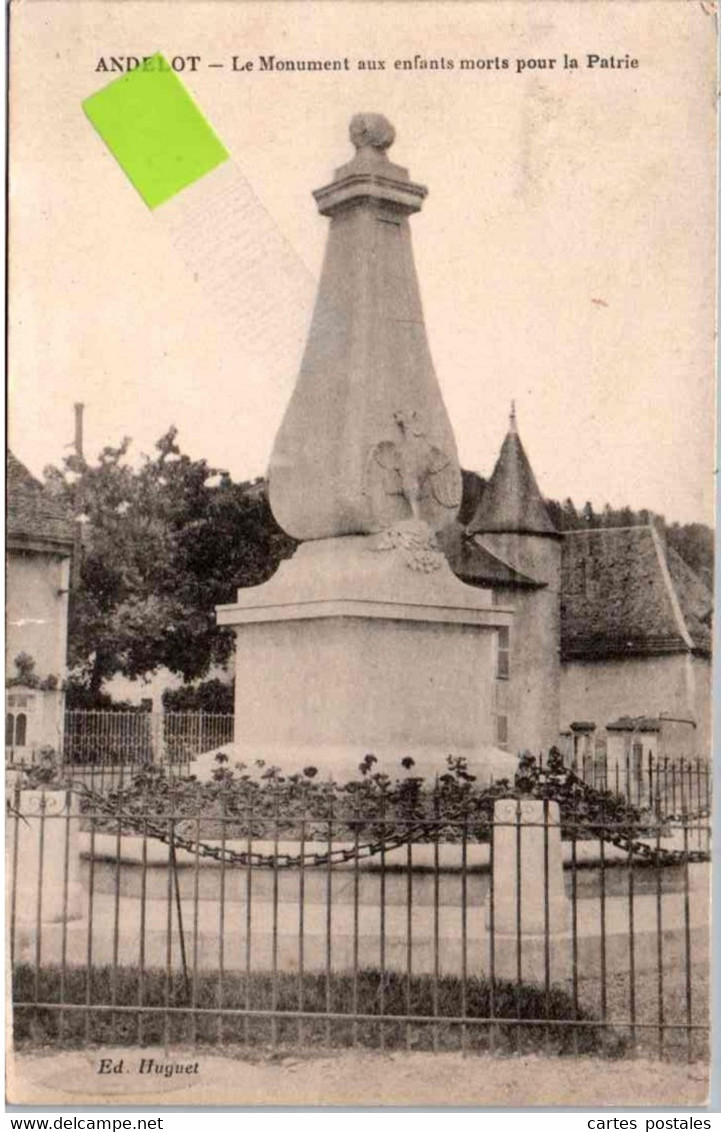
233, 857
422, 829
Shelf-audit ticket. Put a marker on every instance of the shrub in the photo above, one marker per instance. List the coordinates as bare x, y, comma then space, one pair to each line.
211, 696
419, 996
262, 802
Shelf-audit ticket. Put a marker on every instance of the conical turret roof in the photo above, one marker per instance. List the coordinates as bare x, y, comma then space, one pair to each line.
512, 501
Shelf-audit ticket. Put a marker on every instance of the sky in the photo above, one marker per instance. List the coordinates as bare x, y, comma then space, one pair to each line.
565, 251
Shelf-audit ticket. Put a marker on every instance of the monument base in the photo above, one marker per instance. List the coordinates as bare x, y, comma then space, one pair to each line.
367, 645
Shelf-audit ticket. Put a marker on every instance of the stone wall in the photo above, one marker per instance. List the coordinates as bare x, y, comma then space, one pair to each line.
604, 690
37, 624
701, 690
533, 694
37, 610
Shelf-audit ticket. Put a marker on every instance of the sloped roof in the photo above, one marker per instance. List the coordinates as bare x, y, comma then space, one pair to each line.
476, 565
695, 599
32, 514
622, 594
512, 501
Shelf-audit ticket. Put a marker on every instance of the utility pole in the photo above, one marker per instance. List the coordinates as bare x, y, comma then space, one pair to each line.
78, 443
78, 496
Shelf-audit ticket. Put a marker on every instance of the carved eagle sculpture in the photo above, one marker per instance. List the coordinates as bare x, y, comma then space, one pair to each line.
411, 468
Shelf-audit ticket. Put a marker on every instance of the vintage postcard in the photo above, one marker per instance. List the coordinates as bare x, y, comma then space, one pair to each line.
360, 552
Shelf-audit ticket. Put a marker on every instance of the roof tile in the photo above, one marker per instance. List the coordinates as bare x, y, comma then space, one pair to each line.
616, 599
31, 512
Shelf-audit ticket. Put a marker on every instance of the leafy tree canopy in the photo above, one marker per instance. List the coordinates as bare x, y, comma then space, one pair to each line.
211, 696
163, 544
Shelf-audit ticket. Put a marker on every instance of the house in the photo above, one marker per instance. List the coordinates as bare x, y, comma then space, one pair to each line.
610, 646
635, 640
39, 537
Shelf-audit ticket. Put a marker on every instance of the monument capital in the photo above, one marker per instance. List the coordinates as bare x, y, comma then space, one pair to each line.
371, 129
370, 177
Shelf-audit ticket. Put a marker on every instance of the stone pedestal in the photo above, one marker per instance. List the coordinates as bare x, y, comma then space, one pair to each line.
527, 859
45, 836
366, 645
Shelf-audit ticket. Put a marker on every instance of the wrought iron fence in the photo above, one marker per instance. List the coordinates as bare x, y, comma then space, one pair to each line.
669, 785
107, 739
500, 924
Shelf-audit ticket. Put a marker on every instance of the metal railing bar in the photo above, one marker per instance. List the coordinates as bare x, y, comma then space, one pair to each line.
248, 914
519, 921
143, 916
168, 938
546, 920
659, 943
39, 899
274, 938
464, 928
329, 923
14, 876
66, 893
687, 943
382, 988
301, 918
321, 1015
409, 936
631, 942
89, 949
221, 908
196, 925
436, 911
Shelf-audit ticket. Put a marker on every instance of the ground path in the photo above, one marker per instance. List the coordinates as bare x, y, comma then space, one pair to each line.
411, 1079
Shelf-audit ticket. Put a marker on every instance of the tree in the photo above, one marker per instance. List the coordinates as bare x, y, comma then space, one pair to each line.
607, 516
588, 516
695, 543
163, 545
569, 516
473, 488
555, 512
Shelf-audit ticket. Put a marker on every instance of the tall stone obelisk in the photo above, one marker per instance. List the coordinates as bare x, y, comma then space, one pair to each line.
365, 641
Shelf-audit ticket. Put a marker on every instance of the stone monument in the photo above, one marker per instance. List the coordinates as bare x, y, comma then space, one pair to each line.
365, 641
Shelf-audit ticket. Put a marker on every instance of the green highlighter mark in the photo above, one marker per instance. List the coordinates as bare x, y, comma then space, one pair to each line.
155, 131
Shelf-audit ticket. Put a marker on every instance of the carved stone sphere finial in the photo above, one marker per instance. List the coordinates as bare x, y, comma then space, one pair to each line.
371, 130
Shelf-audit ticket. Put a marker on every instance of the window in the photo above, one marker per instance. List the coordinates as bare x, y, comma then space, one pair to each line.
19, 715
502, 731
503, 653
21, 726
16, 729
